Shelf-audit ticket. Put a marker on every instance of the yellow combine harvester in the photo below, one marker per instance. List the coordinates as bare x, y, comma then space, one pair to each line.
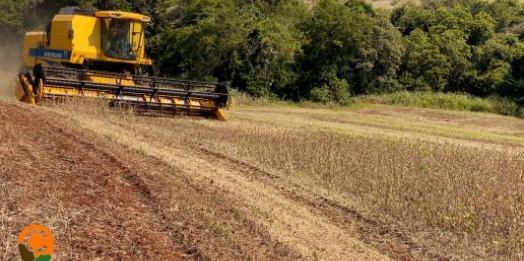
91, 53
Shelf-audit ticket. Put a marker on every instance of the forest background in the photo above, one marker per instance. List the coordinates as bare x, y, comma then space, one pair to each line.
328, 51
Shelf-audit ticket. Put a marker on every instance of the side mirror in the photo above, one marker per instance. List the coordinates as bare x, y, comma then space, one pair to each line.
71, 34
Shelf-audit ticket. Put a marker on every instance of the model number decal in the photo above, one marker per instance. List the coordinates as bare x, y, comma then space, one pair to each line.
53, 54
40, 52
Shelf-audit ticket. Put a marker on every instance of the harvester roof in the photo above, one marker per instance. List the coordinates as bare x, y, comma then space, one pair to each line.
74, 10
123, 15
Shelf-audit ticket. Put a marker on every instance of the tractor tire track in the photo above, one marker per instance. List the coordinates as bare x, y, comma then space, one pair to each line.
148, 199
287, 221
396, 251
392, 242
149, 181
263, 188
69, 150
157, 205
400, 246
226, 172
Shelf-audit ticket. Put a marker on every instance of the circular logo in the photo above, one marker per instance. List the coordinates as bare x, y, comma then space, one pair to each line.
36, 243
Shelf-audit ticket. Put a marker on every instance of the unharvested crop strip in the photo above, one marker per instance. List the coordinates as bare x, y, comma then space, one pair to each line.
370, 231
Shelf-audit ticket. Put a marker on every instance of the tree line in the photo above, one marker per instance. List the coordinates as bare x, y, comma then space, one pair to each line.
325, 53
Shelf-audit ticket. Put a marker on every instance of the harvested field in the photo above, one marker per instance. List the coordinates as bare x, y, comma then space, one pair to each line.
274, 183
107, 203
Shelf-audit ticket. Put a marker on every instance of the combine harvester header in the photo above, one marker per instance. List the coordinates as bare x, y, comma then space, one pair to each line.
89, 53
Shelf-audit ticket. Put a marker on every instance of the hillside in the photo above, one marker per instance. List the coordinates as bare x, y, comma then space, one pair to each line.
274, 183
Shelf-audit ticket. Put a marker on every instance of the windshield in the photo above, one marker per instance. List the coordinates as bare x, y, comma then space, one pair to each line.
121, 39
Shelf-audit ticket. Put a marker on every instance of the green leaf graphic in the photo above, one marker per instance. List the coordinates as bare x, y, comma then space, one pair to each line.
43, 258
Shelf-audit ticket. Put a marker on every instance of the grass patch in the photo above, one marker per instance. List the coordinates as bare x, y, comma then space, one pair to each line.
431, 100
446, 101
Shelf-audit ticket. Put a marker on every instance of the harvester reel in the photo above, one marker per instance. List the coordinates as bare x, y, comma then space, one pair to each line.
171, 97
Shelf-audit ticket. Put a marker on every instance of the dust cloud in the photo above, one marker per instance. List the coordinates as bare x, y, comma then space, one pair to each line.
10, 63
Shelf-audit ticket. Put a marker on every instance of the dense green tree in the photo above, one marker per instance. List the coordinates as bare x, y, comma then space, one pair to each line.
203, 36
452, 45
424, 68
337, 49
249, 45
506, 12
388, 50
280, 48
263, 65
481, 29
266, 61
12, 20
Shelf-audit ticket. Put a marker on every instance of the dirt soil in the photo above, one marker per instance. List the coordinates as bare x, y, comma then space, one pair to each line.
103, 203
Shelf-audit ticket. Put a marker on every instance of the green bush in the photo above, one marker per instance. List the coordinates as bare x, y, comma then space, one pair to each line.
447, 101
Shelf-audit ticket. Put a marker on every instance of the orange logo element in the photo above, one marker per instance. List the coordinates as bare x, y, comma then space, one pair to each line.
36, 243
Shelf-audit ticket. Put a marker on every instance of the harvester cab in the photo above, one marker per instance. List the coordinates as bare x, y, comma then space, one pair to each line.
90, 53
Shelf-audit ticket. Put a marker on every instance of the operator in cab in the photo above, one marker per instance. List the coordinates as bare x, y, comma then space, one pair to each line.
118, 40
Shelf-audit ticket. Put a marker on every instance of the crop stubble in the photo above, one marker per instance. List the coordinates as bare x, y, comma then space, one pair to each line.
442, 194
102, 202
410, 200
